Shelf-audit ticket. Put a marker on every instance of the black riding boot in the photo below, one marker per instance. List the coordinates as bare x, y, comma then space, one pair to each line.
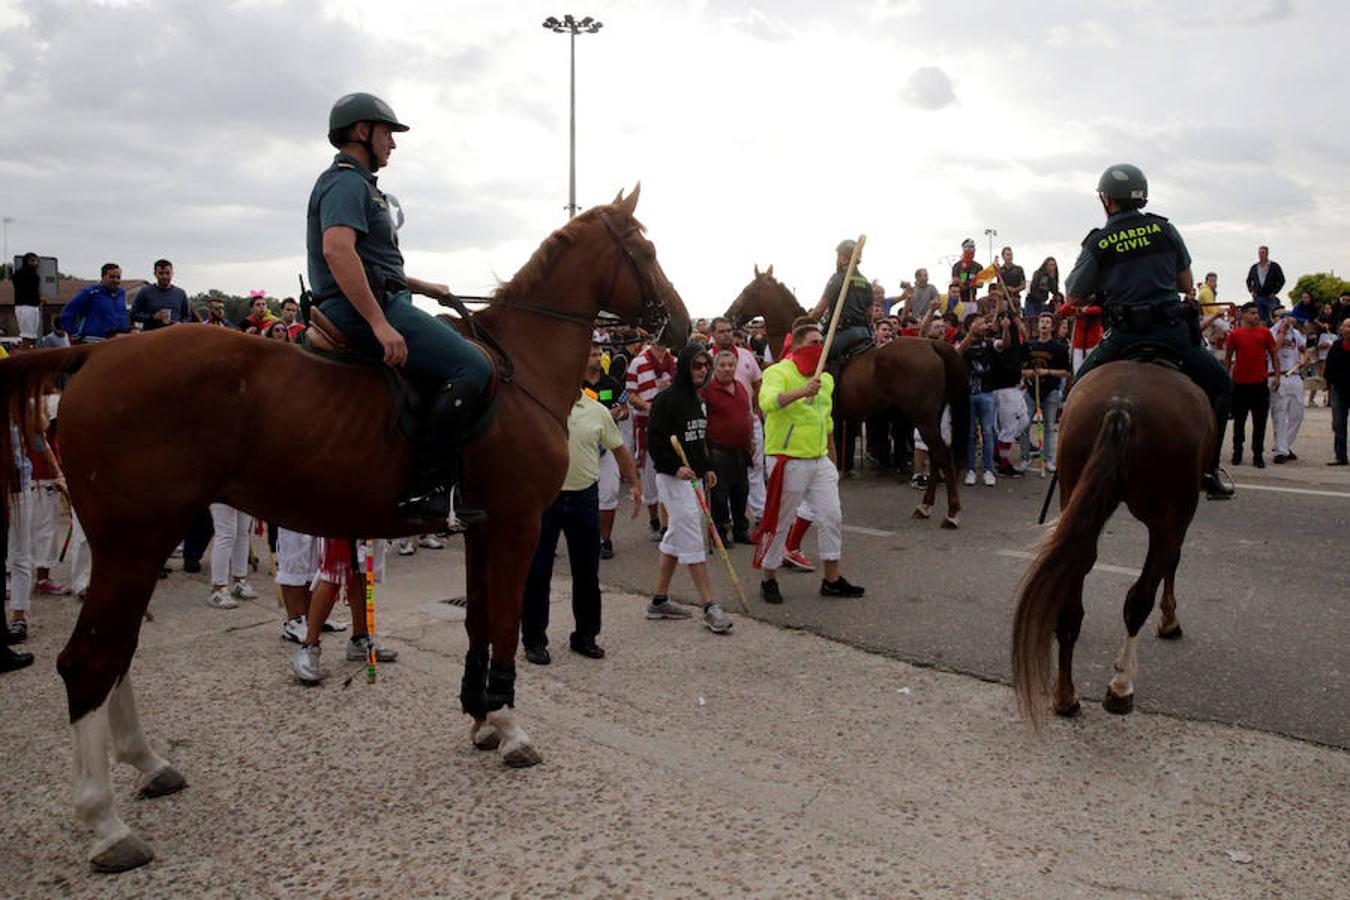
436, 459
1216, 488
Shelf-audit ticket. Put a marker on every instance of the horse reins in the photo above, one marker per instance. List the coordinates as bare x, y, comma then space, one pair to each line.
652, 316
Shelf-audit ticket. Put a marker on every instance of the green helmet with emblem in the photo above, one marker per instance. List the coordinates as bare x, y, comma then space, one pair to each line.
360, 107
1124, 182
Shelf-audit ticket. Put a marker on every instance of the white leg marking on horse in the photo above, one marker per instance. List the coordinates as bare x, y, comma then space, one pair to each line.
1123, 684
93, 789
129, 743
515, 743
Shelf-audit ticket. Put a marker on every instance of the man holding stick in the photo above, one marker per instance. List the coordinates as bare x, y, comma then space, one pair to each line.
679, 412
798, 436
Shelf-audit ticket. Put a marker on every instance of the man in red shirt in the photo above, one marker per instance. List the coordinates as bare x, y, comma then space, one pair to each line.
1249, 355
731, 440
649, 373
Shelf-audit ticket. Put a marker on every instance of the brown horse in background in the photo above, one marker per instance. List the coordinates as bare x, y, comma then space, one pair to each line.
1132, 432
914, 375
196, 407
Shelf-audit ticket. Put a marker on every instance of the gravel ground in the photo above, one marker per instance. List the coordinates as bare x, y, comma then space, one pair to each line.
766, 762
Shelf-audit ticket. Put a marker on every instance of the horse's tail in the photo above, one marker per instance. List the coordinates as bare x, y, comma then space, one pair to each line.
957, 382
1065, 557
23, 378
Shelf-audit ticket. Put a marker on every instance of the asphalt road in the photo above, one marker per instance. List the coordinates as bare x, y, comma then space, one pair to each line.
1263, 593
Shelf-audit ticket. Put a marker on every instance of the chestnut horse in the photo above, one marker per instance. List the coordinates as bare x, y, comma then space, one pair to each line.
196, 405
1133, 432
914, 375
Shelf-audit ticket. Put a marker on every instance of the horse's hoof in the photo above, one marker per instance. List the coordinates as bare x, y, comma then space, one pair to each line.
486, 737
1120, 706
128, 853
951, 522
167, 780
522, 756
1171, 634
1070, 712
922, 512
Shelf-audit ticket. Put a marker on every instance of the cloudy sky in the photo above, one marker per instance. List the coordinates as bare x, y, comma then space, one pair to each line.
761, 132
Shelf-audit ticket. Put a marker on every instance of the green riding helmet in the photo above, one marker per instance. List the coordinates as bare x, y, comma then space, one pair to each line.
1124, 182
360, 107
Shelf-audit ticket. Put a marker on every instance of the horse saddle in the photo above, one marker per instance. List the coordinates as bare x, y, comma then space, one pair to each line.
411, 396
1153, 353
837, 364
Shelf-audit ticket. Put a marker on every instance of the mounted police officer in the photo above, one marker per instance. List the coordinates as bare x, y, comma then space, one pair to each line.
356, 271
855, 319
1135, 265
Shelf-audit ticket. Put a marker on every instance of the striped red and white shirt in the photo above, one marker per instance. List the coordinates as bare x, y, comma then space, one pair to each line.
647, 377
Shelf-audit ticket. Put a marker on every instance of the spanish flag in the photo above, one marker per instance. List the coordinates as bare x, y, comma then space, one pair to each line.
987, 274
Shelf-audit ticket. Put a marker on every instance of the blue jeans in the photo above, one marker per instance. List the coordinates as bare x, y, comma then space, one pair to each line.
1340, 404
436, 352
1049, 412
1265, 305
844, 338
575, 514
982, 417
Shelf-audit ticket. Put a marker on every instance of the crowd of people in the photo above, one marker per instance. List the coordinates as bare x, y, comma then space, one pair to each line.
687, 433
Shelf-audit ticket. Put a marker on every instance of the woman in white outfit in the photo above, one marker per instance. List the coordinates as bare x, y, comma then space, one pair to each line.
229, 557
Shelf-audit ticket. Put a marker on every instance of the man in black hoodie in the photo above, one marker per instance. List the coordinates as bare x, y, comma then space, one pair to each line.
678, 411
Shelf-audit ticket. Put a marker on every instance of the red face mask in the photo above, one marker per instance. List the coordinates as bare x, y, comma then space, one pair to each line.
1345, 343
807, 358
967, 255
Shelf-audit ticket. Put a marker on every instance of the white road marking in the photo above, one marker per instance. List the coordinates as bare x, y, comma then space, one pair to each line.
1284, 490
1099, 567
871, 532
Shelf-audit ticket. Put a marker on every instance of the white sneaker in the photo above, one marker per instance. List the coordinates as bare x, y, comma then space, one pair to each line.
970, 478
430, 542
406, 548
243, 591
989, 480
1050, 466
294, 630
221, 599
358, 646
332, 624
305, 665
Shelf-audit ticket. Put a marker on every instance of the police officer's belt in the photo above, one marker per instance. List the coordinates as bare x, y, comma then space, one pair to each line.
1142, 316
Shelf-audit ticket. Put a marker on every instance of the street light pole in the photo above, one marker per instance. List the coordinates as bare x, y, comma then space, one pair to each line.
6, 221
991, 233
572, 27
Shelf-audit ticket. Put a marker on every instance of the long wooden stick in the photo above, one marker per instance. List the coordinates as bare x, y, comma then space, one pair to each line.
839, 302
716, 535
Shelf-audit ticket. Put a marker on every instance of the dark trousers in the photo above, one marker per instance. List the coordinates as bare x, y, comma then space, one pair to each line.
887, 438
729, 496
575, 514
1254, 399
198, 536
1339, 403
846, 442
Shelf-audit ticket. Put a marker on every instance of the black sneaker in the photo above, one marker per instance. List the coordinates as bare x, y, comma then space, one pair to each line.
192, 566
11, 661
769, 593
654, 526
588, 648
1215, 488
18, 631
1258, 461
1009, 472
1236, 458
1291, 456
1279, 459
840, 587
606, 549
537, 655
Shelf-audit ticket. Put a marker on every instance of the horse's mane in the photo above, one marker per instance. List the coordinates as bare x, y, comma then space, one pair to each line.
527, 279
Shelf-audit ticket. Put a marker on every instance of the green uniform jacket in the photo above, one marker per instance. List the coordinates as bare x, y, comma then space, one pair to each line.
801, 429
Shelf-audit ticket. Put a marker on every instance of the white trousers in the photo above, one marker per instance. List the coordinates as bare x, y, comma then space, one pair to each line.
46, 524
1286, 412
30, 321
19, 556
683, 537
647, 475
297, 558
80, 558
229, 548
816, 482
607, 485
1010, 414
754, 503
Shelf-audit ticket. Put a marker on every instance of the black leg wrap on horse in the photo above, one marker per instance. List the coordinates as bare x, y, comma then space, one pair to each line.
501, 688
473, 687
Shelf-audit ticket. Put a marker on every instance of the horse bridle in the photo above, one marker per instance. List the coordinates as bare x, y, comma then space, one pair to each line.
653, 315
